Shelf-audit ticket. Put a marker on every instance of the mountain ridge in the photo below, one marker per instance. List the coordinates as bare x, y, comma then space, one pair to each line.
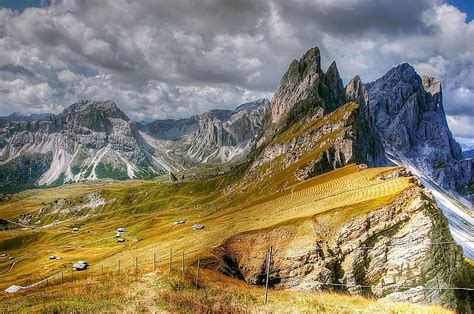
407, 112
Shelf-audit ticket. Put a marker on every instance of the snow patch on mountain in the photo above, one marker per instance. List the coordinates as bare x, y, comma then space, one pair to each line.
460, 217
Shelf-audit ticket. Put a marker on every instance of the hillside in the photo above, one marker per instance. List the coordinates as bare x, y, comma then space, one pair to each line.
329, 206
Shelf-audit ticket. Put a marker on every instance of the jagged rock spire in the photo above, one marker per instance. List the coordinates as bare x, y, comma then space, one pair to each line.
300, 82
333, 80
408, 115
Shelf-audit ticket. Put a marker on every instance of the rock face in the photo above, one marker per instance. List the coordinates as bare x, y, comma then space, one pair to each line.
217, 136
301, 83
407, 112
312, 113
96, 140
87, 141
377, 253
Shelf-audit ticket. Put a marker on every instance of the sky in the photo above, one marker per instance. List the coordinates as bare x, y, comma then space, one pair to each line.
171, 59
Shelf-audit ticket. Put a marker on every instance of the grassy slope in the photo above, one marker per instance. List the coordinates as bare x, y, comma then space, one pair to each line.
147, 210
159, 292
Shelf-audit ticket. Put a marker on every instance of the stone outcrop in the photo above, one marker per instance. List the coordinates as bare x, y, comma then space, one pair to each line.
333, 80
391, 252
370, 147
300, 83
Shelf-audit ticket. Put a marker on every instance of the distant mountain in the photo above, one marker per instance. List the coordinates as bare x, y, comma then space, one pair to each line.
96, 140
217, 136
87, 141
16, 116
468, 153
407, 112
466, 147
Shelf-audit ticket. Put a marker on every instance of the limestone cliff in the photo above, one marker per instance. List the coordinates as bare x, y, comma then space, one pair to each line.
401, 251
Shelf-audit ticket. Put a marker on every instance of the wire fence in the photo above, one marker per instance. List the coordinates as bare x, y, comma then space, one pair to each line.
176, 262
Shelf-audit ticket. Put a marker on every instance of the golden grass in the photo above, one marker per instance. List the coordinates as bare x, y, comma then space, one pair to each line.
147, 210
159, 292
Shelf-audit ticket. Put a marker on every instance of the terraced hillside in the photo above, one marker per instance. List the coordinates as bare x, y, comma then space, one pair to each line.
330, 203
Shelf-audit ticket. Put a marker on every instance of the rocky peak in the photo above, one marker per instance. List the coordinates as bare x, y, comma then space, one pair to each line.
355, 90
254, 105
431, 84
86, 107
333, 80
407, 112
93, 115
370, 147
300, 82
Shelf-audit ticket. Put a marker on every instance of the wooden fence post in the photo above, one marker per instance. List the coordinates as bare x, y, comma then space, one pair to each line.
154, 261
119, 266
136, 264
102, 269
182, 264
268, 273
197, 272
171, 259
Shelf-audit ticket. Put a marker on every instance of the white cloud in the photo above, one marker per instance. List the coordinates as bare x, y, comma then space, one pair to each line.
462, 126
178, 58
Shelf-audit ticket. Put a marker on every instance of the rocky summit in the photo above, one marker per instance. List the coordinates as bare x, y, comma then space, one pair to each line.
407, 112
312, 109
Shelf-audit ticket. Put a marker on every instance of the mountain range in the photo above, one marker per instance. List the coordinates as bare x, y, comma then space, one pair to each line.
93, 140
401, 114
310, 172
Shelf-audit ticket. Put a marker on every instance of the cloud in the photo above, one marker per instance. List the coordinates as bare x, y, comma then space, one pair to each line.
175, 58
462, 126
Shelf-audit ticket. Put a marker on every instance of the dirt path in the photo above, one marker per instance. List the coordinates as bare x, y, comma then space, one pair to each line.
19, 224
14, 263
141, 297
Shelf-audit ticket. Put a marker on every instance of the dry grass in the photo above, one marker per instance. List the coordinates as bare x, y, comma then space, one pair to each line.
147, 211
158, 292
91, 295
